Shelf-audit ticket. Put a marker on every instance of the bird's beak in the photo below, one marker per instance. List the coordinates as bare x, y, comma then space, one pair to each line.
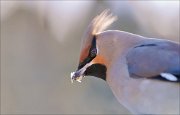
79, 74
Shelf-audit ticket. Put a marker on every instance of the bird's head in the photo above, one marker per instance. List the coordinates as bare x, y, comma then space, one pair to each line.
91, 62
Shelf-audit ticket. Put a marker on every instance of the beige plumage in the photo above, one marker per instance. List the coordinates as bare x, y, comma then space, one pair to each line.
143, 73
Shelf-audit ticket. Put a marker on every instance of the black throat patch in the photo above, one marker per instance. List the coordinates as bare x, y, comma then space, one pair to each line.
97, 70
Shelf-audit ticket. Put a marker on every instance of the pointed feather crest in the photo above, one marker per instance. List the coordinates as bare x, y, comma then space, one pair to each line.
102, 21
98, 24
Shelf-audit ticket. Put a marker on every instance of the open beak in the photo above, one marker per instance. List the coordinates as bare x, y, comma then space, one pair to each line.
79, 74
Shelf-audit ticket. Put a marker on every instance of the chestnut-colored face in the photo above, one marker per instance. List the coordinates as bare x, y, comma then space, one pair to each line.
89, 55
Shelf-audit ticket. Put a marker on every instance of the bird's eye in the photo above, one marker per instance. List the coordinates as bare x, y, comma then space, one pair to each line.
93, 52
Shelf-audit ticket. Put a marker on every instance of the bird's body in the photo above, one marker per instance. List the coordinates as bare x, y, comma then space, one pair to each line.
143, 73
140, 95
146, 96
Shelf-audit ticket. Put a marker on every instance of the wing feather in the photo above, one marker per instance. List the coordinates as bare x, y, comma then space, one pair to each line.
151, 60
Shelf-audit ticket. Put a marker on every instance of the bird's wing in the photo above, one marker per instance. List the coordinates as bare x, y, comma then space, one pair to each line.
157, 59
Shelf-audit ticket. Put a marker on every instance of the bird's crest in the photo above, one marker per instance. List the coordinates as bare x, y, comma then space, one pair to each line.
98, 24
102, 21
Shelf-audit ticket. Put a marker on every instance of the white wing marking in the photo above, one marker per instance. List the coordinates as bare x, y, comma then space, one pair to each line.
169, 76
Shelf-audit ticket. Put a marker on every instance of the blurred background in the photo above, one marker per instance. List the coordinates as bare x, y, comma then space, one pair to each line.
40, 44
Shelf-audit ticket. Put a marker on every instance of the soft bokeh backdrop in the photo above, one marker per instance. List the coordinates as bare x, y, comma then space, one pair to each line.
40, 44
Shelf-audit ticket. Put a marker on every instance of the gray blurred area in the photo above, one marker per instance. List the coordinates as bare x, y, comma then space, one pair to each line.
40, 44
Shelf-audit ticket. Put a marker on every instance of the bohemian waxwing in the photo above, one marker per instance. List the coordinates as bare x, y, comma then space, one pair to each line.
143, 73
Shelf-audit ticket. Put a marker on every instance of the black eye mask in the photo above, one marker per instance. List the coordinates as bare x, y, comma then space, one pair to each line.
92, 54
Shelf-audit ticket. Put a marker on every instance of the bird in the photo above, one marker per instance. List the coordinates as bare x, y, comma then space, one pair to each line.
143, 73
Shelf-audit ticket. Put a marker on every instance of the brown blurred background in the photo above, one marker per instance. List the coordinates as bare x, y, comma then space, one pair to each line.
40, 44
